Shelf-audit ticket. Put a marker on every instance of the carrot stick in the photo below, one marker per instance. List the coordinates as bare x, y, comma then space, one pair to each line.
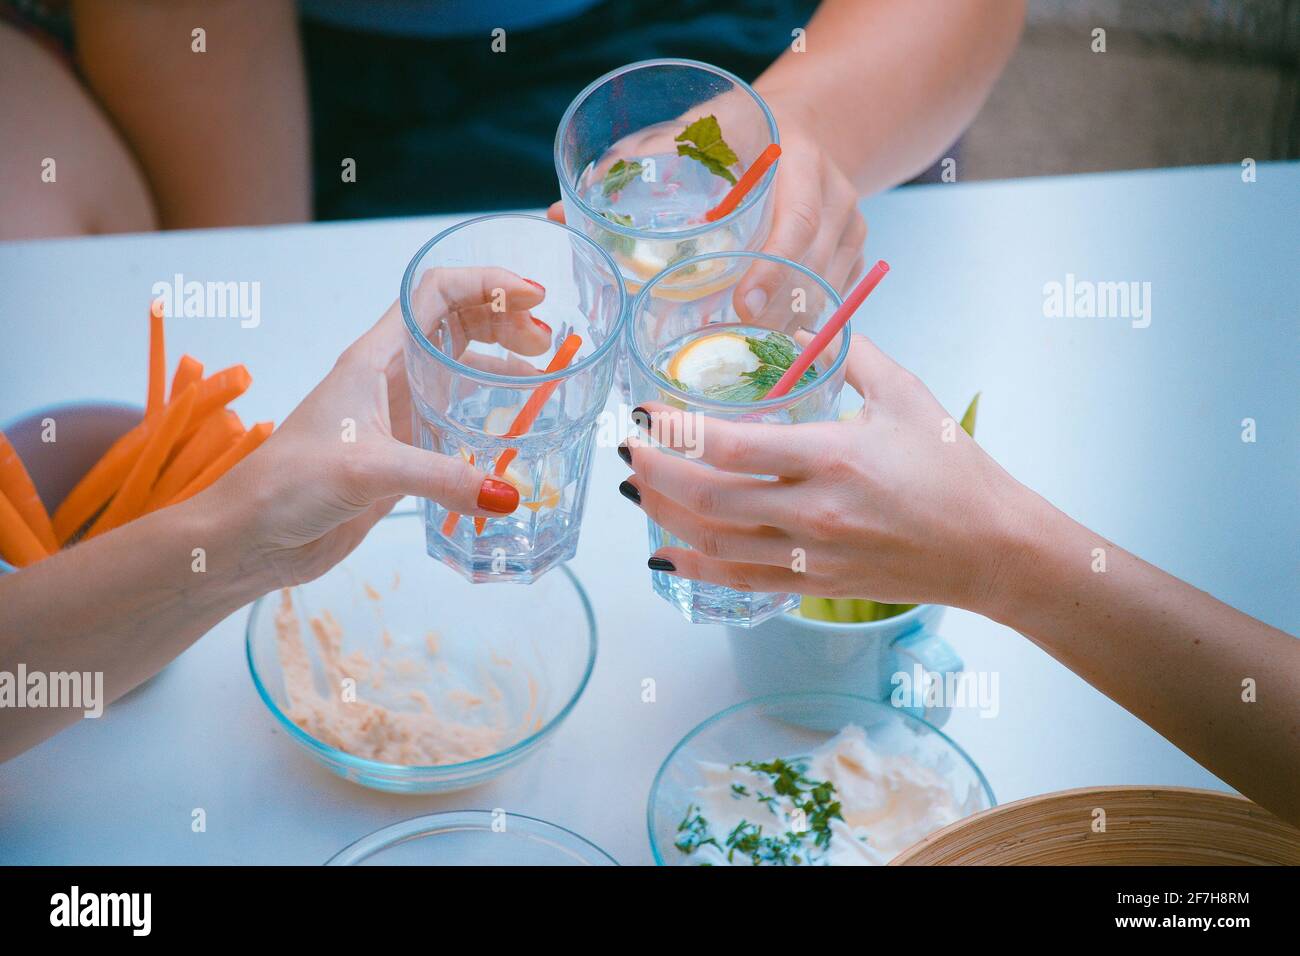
215, 391
240, 450
748, 179
99, 484
449, 525
188, 370
218, 432
157, 361
532, 408
106, 476
18, 543
17, 485
128, 503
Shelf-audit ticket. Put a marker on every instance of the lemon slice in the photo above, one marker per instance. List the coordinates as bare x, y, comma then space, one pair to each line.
499, 420
548, 496
712, 360
649, 257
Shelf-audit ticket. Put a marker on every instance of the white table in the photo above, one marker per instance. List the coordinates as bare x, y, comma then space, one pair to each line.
1134, 431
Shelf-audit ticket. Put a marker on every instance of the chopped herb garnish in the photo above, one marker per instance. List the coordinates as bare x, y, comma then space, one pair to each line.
702, 141
695, 830
619, 175
815, 798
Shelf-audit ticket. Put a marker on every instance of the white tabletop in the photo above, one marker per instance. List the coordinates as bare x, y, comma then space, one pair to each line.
1135, 431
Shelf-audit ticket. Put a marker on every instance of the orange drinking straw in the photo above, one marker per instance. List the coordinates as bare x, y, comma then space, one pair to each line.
745, 183
524, 420
832, 328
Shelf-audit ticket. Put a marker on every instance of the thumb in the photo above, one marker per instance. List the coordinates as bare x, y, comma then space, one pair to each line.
402, 469
866, 364
766, 285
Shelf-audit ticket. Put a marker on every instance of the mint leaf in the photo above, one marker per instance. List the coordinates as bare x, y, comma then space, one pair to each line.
612, 240
751, 387
684, 251
619, 175
702, 141
775, 350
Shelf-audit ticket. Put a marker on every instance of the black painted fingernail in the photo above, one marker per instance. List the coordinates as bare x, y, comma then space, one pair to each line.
628, 491
625, 453
661, 564
641, 418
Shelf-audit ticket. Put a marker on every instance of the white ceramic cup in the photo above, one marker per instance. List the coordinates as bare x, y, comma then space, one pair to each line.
794, 654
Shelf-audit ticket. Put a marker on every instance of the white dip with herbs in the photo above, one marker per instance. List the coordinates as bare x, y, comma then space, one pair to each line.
845, 804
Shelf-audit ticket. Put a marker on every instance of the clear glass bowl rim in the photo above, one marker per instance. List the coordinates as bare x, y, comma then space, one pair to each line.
809, 697
395, 833
367, 766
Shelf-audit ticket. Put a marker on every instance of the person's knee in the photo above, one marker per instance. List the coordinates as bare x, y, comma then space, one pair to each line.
64, 170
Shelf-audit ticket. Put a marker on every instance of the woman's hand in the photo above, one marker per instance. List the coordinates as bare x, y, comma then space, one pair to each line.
344, 457
815, 216
898, 504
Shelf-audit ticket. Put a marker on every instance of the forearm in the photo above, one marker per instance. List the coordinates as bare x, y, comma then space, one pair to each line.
1222, 686
122, 605
887, 85
222, 135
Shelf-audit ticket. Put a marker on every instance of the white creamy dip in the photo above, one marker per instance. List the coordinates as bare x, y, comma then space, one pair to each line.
782, 812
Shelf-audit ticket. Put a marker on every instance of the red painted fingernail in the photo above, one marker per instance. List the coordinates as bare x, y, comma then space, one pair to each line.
540, 324
537, 284
498, 496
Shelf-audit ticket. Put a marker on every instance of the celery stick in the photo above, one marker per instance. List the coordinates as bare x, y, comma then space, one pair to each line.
816, 609
843, 611
968, 420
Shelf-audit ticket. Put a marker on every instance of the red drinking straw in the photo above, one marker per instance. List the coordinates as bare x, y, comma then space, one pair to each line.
744, 184
831, 329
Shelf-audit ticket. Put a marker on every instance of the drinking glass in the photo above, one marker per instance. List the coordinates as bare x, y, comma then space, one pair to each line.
634, 114
467, 395
662, 320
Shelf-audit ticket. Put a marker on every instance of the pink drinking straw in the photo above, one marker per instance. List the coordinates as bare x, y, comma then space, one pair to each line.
831, 329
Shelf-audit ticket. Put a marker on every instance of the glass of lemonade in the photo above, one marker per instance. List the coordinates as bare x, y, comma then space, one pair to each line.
644, 152
469, 396
707, 354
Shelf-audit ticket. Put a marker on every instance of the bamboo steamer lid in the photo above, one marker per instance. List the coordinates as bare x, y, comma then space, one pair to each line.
1143, 826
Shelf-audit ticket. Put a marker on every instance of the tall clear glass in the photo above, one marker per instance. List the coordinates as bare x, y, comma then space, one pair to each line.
655, 219
665, 323
470, 390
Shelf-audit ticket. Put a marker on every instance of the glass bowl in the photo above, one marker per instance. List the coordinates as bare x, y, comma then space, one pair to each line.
789, 725
430, 683
472, 838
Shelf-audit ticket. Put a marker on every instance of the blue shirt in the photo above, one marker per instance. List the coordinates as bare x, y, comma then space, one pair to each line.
441, 18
